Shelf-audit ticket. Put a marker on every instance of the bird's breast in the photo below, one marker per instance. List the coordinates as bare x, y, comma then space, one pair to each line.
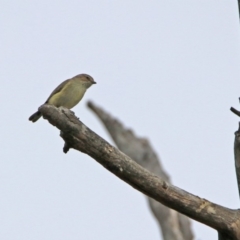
69, 96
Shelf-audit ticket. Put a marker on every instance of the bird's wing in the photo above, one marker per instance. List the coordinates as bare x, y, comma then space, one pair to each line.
58, 89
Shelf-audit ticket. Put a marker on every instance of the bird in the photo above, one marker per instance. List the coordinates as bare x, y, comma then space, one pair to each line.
68, 94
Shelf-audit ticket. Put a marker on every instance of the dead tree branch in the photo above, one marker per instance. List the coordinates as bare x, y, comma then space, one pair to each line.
237, 149
237, 156
173, 225
80, 137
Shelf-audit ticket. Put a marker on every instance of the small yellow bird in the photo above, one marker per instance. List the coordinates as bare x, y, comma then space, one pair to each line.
68, 94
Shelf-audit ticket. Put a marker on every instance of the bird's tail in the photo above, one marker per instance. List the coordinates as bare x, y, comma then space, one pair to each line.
35, 116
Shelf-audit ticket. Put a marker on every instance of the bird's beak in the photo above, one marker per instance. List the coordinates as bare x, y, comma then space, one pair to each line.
94, 82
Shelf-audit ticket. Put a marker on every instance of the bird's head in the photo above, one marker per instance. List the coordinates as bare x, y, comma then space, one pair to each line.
85, 79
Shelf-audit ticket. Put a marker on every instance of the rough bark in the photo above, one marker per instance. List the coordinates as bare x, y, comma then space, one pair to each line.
173, 225
80, 137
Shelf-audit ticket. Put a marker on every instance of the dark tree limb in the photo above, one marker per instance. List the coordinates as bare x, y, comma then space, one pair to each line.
237, 156
80, 137
237, 149
173, 225
235, 111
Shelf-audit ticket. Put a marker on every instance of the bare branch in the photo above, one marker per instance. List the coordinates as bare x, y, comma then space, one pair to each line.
237, 156
172, 224
81, 138
237, 148
235, 111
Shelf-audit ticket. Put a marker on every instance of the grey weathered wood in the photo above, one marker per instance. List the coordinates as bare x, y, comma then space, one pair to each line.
172, 224
80, 137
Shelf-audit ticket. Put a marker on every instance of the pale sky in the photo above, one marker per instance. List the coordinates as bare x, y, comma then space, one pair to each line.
167, 69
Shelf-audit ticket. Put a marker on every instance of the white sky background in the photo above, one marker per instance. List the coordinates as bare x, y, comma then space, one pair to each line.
167, 69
